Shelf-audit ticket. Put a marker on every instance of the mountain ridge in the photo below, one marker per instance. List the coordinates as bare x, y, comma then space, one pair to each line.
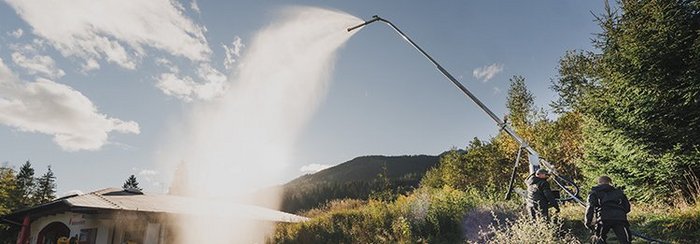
357, 178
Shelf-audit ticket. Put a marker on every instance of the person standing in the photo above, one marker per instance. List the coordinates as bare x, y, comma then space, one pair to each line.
607, 209
539, 195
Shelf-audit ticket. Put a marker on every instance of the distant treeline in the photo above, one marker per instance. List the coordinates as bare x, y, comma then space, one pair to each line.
360, 178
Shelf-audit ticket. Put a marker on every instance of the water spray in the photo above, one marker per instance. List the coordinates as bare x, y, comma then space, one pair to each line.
533, 158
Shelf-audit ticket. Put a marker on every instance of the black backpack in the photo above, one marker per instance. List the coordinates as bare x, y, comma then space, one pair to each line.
611, 201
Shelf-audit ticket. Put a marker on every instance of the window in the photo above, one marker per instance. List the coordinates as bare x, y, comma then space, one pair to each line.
87, 236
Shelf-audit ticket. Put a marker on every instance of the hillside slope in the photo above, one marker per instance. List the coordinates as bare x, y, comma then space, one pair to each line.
358, 179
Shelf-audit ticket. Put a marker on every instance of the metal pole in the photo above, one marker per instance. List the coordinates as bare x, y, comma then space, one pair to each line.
512, 175
534, 163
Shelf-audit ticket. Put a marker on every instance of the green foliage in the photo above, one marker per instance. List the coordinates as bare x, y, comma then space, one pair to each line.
485, 165
520, 103
7, 186
378, 177
426, 216
384, 192
577, 78
131, 183
20, 190
46, 187
639, 97
679, 225
675, 224
482, 166
435, 214
22, 195
631, 110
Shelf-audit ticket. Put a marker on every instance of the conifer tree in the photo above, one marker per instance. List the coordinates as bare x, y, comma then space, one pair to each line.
46, 187
131, 183
638, 96
22, 195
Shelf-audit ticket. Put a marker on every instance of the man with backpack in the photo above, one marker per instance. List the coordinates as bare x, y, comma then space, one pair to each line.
607, 209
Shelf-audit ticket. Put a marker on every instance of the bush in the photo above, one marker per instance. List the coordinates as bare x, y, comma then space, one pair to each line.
426, 216
675, 224
527, 230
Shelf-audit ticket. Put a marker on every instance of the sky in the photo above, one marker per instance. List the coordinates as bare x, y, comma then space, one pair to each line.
95, 88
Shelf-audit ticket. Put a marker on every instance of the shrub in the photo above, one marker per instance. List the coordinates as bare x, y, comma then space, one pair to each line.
527, 230
426, 216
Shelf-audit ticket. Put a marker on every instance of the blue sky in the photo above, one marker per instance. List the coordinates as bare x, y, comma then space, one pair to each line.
100, 77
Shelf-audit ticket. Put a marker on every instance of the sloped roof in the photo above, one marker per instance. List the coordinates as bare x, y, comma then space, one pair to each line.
121, 200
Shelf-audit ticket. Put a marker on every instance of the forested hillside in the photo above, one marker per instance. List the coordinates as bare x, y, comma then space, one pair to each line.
358, 178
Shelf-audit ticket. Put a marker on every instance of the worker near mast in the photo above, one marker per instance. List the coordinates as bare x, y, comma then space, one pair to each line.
607, 209
539, 195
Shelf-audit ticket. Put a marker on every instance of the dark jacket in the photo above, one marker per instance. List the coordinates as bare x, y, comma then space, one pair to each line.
539, 193
605, 202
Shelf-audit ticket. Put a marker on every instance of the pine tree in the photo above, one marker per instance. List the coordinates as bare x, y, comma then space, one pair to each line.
131, 183
22, 194
638, 96
46, 187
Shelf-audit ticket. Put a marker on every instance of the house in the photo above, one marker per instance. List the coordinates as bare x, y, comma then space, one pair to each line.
127, 216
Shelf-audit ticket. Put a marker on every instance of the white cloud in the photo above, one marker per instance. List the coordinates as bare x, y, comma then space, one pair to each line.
496, 90
210, 74
485, 73
117, 31
90, 64
168, 65
210, 83
195, 7
185, 88
313, 168
173, 85
16, 33
47, 107
232, 52
149, 176
38, 64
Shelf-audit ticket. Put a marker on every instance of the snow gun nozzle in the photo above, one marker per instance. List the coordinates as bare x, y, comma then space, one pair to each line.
374, 18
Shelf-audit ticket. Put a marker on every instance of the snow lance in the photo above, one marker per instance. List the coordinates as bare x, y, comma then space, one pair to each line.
534, 159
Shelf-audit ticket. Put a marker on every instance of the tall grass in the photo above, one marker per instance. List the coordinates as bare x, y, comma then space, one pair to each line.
676, 224
527, 230
427, 215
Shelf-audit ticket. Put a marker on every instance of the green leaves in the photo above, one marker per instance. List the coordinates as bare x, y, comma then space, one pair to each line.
46, 187
639, 96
